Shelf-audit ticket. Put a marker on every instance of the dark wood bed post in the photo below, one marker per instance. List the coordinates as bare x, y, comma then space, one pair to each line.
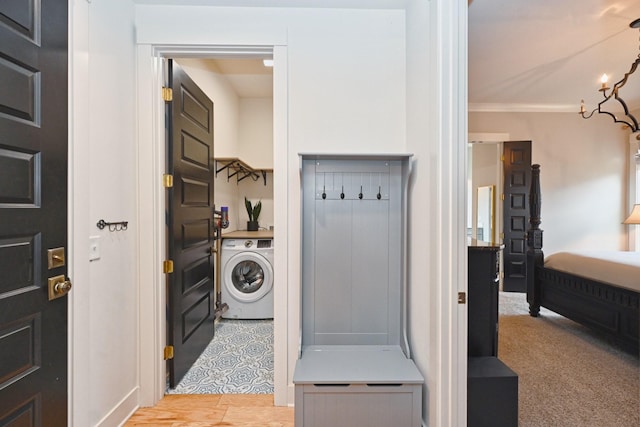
535, 257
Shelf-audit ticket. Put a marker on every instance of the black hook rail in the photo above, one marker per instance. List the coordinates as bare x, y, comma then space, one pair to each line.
112, 226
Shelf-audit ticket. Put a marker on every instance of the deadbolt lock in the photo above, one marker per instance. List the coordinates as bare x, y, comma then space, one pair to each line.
58, 287
55, 258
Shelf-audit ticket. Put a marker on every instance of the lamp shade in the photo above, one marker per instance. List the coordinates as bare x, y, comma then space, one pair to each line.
634, 218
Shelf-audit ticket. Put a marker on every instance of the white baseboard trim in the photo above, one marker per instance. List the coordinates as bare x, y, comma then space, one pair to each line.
120, 413
291, 395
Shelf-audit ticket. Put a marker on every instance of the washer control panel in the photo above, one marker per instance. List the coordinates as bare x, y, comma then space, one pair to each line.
264, 243
251, 244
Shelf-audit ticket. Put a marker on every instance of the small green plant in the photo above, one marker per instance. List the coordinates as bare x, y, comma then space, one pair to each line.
253, 211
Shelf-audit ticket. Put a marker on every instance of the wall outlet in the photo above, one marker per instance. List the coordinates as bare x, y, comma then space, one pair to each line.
94, 248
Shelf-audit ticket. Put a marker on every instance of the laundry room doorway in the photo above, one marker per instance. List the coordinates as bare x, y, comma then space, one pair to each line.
237, 356
151, 193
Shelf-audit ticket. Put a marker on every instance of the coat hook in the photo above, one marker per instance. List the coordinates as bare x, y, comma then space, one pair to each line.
360, 194
342, 194
324, 193
379, 196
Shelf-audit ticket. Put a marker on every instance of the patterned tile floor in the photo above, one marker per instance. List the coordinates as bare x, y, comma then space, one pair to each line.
239, 359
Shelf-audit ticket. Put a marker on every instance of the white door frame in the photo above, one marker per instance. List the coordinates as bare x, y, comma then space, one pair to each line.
151, 209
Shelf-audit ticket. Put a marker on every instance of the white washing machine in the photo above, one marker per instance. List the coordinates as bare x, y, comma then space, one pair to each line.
247, 278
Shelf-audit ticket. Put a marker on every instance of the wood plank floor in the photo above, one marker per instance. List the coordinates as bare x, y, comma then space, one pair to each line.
208, 410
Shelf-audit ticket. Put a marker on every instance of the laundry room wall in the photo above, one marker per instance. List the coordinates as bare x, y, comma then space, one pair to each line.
255, 147
255, 136
257, 190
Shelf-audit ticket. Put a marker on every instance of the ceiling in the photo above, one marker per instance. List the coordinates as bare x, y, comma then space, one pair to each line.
248, 77
524, 55
547, 55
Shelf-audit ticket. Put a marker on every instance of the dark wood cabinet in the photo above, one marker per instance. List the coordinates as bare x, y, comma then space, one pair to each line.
492, 393
492, 387
484, 279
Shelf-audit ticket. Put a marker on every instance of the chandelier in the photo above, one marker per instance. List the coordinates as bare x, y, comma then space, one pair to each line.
628, 118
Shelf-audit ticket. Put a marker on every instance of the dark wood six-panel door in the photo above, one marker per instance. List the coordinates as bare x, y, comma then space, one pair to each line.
33, 212
517, 179
190, 292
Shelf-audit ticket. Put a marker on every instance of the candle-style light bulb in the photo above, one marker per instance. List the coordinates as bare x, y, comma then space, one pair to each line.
582, 109
604, 79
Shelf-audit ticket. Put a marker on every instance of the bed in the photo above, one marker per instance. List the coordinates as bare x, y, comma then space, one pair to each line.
600, 290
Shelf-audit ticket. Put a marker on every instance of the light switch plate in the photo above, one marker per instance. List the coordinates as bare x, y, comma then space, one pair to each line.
94, 248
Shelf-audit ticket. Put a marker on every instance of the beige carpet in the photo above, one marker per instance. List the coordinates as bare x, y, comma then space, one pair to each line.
568, 376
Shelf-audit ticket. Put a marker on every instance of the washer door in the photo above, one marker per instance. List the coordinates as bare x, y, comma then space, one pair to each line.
248, 276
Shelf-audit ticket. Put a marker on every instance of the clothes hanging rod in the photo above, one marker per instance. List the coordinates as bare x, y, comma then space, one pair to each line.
241, 170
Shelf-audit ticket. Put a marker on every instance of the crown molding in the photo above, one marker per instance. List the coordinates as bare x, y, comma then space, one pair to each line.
522, 108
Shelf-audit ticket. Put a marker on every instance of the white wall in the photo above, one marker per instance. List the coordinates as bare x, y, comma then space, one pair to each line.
583, 176
104, 303
256, 149
346, 86
348, 91
437, 135
633, 192
256, 132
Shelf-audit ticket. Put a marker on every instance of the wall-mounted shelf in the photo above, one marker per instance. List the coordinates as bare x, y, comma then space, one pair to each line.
239, 169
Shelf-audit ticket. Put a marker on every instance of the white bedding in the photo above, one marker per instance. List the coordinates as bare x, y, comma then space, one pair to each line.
619, 268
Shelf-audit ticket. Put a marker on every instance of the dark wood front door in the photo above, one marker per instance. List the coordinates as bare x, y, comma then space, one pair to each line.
33, 211
190, 292
517, 179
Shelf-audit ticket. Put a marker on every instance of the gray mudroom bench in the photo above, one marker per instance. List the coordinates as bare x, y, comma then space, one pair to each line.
354, 366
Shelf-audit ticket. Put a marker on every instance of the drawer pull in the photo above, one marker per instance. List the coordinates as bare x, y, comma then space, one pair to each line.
385, 385
332, 385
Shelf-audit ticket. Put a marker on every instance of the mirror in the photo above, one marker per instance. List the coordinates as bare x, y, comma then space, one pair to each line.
485, 214
484, 186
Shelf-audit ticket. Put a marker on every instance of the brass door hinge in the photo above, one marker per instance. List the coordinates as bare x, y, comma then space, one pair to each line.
168, 352
502, 197
462, 297
502, 158
167, 180
167, 94
167, 266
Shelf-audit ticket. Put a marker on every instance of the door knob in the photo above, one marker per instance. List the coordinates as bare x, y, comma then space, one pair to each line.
62, 287
58, 286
